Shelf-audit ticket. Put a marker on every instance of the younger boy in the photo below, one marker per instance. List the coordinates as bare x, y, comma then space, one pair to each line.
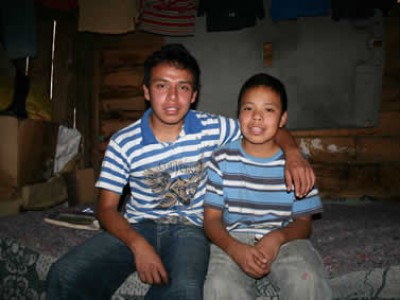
257, 227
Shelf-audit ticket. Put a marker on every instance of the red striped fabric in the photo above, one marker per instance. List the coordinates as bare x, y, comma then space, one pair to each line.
168, 17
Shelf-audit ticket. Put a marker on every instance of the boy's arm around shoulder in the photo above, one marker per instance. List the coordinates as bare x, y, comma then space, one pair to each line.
148, 264
298, 171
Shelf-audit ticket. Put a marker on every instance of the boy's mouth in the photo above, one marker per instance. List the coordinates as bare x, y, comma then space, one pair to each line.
256, 130
171, 110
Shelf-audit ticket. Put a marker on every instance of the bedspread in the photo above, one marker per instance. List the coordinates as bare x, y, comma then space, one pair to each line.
358, 242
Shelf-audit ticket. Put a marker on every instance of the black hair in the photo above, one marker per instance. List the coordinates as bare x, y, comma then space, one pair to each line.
268, 81
176, 55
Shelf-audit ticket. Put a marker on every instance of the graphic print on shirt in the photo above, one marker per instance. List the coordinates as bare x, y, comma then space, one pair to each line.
179, 190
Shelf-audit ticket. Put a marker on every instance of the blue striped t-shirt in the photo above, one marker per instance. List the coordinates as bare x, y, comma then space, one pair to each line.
251, 191
166, 179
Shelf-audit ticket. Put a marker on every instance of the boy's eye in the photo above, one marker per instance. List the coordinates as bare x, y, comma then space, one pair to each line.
185, 88
160, 85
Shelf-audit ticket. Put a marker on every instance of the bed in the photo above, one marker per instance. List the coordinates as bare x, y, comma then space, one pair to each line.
359, 242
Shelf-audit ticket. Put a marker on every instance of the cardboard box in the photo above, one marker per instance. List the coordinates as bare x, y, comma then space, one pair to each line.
80, 186
27, 151
45, 194
10, 207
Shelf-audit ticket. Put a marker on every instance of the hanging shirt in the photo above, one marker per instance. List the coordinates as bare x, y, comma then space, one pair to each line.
228, 15
293, 9
18, 28
105, 16
169, 18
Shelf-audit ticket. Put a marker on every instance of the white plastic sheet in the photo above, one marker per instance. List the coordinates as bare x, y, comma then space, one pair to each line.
68, 143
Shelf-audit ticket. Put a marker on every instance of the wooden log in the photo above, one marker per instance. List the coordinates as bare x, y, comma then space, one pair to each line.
109, 127
328, 149
390, 98
389, 125
331, 177
124, 57
358, 180
120, 91
120, 104
124, 77
390, 178
135, 41
356, 150
378, 149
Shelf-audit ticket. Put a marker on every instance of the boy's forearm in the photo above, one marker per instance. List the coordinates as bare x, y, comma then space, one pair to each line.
286, 141
117, 225
218, 234
114, 222
300, 228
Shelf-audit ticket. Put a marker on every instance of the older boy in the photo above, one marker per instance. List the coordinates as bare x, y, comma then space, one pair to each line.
163, 158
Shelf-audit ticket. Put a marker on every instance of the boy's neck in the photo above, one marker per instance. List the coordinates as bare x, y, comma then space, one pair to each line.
264, 150
165, 132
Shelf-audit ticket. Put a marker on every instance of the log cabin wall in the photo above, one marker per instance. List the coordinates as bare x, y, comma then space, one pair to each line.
349, 163
59, 87
120, 97
353, 163
100, 76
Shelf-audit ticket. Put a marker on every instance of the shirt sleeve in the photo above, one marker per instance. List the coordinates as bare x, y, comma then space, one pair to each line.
309, 205
229, 130
214, 192
114, 171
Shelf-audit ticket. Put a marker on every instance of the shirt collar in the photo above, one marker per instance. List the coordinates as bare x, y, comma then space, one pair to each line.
191, 125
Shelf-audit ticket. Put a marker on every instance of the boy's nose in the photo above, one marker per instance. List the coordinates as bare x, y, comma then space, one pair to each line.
173, 91
257, 115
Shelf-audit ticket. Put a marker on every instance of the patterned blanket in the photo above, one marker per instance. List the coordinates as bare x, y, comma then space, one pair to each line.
358, 243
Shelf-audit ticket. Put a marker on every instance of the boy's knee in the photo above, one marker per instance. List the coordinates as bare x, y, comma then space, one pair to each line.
188, 290
57, 283
224, 288
55, 274
63, 281
307, 285
179, 291
212, 284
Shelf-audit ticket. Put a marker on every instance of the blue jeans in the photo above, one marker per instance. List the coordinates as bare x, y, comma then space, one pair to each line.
95, 269
297, 271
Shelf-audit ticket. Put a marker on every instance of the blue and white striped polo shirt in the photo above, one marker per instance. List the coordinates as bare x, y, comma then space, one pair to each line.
166, 179
252, 192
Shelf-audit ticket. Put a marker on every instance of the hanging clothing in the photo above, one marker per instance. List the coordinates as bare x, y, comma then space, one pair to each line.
105, 16
293, 9
18, 28
170, 18
359, 9
228, 15
61, 5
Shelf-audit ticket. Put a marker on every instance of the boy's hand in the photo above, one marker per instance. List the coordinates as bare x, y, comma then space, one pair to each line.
148, 264
298, 172
269, 246
250, 260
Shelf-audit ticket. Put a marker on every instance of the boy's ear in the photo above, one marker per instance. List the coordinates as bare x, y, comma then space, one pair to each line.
146, 92
283, 120
194, 97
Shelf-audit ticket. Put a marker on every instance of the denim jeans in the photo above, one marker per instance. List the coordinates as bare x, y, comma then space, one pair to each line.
298, 273
95, 269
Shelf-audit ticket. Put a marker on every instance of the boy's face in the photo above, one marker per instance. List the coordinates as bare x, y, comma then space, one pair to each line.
170, 94
260, 116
